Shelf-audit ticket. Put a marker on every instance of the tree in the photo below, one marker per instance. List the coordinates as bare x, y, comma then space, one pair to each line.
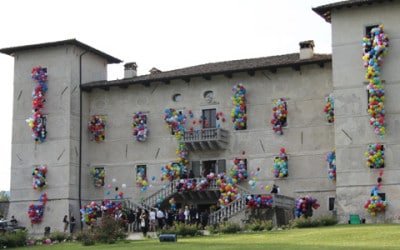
4, 196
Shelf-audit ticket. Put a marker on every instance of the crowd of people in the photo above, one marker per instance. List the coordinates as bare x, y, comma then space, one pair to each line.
155, 219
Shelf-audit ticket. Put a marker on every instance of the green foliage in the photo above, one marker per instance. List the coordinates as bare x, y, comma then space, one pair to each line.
258, 225
110, 230
86, 238
58, 236
182, 229
229, 228
13, 239
328, 221
4, 196
308, 222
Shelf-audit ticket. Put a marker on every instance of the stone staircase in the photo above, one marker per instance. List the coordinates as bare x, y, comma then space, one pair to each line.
225, 213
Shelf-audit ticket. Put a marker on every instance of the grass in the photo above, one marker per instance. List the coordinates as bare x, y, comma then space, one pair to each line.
349, 237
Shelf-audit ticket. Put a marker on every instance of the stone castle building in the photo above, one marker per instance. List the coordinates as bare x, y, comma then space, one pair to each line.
225, 117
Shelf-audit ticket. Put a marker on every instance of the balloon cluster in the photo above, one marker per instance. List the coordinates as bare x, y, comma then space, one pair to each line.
239, 170
110, 207
36, 211
141, 179
375, 203
228, 190
172, 171
182, 153
305, 206
375, 156
330, 110
139, 125
238, 113
279, 116
39, 177
38, 120
172, 203
281, 165
375, 47
97, 127
253, 181
219, 116
89, 213
331, 159
185, 185
175, 120
98, 177
260, 201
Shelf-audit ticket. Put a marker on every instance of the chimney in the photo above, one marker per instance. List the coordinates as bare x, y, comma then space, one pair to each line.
130, 70
306, 49
154, 70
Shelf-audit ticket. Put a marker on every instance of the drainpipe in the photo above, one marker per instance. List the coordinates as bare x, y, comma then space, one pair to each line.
80, 135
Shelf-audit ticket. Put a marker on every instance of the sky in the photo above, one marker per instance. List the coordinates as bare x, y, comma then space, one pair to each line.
166, 34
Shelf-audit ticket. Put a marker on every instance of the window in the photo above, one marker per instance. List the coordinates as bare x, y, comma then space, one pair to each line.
98, 174
141, 170
331, 204
203, 168
209, 118
382, 195
177, 98
368, 30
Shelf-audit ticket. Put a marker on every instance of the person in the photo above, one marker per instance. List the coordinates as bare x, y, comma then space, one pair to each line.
72, 224
131, 219
143, 222
191, 174
152, 218
160, 218
274, 189
204, 218
186, 213
13, 221
66, 223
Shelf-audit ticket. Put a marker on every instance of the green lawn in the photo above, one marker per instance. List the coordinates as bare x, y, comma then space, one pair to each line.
347, 237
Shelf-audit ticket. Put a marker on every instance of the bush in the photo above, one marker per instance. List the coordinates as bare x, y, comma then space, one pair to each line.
257, 225
307, 222
328, 221
58, 236
86, 238
14, 239
110, 230
182, 229
229, 228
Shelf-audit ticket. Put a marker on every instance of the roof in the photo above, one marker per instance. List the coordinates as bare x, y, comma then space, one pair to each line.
208, 70
325, 10
110, 59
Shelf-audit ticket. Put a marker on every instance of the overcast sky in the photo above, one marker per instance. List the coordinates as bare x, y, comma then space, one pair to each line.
166, 34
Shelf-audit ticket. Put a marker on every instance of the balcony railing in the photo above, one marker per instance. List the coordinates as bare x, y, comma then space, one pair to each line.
206, 139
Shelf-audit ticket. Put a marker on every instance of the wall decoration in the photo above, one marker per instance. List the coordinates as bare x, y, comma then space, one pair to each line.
175, 120
238, 113
36, 211
305, 206
98, 175
331, 159
139, 125
259, 201
279, 116
376, 204
39, 177
375, 156
37, 121
141, 179
89, 213
330, 110
280, 169
96, 127
375, 46
239, 170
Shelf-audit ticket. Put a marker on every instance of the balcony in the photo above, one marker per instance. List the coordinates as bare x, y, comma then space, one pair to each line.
206, 139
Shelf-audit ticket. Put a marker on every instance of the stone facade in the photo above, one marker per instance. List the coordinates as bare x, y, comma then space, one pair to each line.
307, 137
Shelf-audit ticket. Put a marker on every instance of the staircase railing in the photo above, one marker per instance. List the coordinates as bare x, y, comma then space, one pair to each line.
231, 209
